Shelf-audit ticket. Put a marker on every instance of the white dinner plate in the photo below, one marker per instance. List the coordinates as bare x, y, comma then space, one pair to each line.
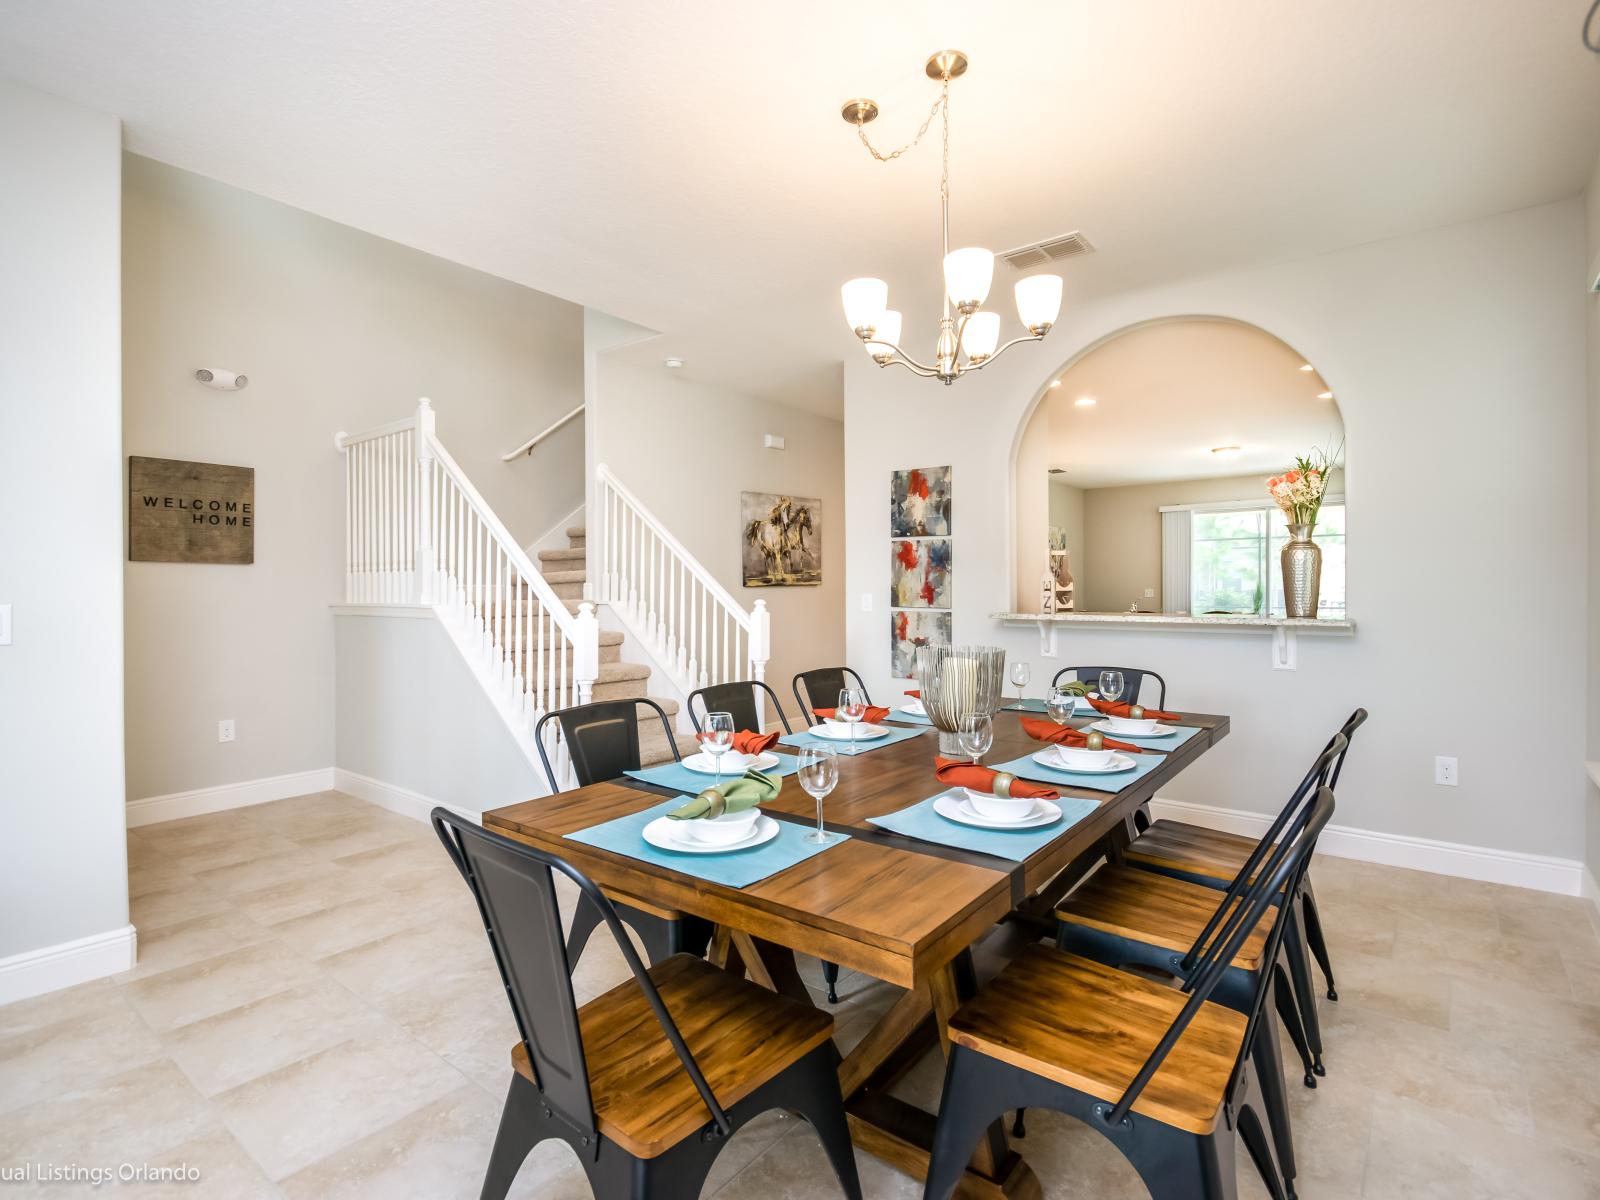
960, 810
915, 708
1160, 731
702, 763
1118, 764
864, 733
664, 834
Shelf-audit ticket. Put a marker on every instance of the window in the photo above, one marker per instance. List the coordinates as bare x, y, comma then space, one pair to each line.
1234, 563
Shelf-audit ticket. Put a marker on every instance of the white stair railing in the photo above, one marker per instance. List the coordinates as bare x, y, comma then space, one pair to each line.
696, 631
418, 532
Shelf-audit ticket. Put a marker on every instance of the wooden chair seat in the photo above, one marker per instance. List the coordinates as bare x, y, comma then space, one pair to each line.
1175, 846
741, 1035
1091, 1027
1154, 909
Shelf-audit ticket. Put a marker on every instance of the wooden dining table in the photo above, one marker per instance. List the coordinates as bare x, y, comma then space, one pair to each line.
902, 910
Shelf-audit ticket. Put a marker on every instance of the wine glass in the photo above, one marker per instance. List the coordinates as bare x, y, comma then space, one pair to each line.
1111, 686
976, 734
851, 708
1020, 674
819, 772
1061, 705
717, 739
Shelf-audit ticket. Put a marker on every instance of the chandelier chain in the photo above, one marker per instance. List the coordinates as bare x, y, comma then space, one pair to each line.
861, 132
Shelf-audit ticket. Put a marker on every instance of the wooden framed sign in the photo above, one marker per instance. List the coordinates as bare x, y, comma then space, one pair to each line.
190, 512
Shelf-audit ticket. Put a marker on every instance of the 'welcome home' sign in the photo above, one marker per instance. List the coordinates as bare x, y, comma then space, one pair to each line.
190, 512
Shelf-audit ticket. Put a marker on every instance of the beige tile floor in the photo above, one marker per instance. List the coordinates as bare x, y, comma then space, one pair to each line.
315, 1014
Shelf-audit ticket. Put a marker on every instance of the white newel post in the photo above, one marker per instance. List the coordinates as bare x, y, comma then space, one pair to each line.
760, 652
586, 652
425, 568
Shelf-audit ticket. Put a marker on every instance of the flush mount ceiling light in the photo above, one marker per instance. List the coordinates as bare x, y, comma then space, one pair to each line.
973, 341
1085, 401
673, 363
1227, 453
1307, 367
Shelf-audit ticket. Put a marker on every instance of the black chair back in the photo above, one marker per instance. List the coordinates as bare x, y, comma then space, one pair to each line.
1285, 867
736, 698
602, 739
515, 891
822, 686
1133, 681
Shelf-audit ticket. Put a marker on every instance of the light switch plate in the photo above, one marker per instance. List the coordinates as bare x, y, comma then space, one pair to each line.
866, 601
5, 624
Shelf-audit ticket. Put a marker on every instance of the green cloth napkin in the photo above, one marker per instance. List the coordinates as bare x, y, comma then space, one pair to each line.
736, 795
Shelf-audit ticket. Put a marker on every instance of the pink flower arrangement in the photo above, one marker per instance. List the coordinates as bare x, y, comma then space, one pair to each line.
1299, 490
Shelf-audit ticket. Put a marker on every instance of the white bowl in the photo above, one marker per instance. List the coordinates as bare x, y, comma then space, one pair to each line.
1076, 757
723, 830
914, 705
842, 728
1129, 725
999, 808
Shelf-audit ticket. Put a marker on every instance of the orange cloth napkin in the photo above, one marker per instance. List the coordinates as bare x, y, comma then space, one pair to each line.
956, 773
1065, 735
874, 714
746, 742
914, 693
1120, 709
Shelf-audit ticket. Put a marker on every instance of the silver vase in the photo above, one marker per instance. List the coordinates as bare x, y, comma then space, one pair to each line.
1302, 572
955, 681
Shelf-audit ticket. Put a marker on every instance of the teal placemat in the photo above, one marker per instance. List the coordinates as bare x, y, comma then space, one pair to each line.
921, 822
843, 746
906, 718
1167, 744
1026, 768
1082, 709
680, 778
733, 868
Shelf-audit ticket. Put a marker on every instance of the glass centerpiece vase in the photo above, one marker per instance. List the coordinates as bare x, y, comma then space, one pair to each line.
955, 681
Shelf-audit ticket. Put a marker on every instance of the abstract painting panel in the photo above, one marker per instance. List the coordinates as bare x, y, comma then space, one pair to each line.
781, 540
907, 631
919, 502
919, 573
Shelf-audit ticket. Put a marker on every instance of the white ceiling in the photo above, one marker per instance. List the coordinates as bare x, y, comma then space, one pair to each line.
683, 165
1166, 394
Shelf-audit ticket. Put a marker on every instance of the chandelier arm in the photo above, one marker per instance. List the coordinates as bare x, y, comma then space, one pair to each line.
971, 366
906, 360
911, 365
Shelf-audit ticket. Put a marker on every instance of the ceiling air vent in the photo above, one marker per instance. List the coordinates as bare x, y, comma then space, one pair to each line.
1026, 258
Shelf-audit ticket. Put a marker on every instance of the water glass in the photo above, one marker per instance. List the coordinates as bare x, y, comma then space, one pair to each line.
819, 772
1111, 686
717, 739
1020, 674
852, 707
977, 735
1061, 705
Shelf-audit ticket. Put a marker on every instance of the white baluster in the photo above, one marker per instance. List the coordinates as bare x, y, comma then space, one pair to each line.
586, 652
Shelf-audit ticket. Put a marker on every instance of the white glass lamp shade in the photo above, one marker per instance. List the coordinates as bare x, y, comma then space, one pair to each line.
981, 335
1039, 302
864, 303
887, 336
967, 276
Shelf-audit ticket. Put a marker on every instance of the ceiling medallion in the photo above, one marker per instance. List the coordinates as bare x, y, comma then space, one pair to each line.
968, 343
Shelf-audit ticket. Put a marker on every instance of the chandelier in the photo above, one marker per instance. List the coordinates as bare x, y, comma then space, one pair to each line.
970, 342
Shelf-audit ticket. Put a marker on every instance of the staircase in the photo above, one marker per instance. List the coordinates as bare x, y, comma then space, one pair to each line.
566, 573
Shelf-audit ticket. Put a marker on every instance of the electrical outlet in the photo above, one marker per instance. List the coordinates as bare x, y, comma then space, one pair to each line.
225, 731
1444, 771
866, 601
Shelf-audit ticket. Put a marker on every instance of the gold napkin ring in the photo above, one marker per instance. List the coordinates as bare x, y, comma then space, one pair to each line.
1135, 712
716, 803
1094, 740
1002, 783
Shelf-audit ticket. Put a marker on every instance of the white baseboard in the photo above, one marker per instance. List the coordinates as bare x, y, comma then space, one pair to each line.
1591, 890
555, 538
150, 809
396, 799
1565, 876
50, 968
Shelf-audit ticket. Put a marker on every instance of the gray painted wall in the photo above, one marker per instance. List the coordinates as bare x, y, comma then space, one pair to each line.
63, 848
337, 330
1592, 266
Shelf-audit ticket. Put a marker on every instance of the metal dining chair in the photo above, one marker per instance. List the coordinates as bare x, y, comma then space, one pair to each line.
602, 741
1163, 1074
822, 686
648, 1082
1133, 681
738, 698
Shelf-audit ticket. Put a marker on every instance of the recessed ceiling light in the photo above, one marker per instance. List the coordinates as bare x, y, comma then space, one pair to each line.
674, 363
1307, 367
1055, 383
1324, 395
1085, 401
1227, 453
